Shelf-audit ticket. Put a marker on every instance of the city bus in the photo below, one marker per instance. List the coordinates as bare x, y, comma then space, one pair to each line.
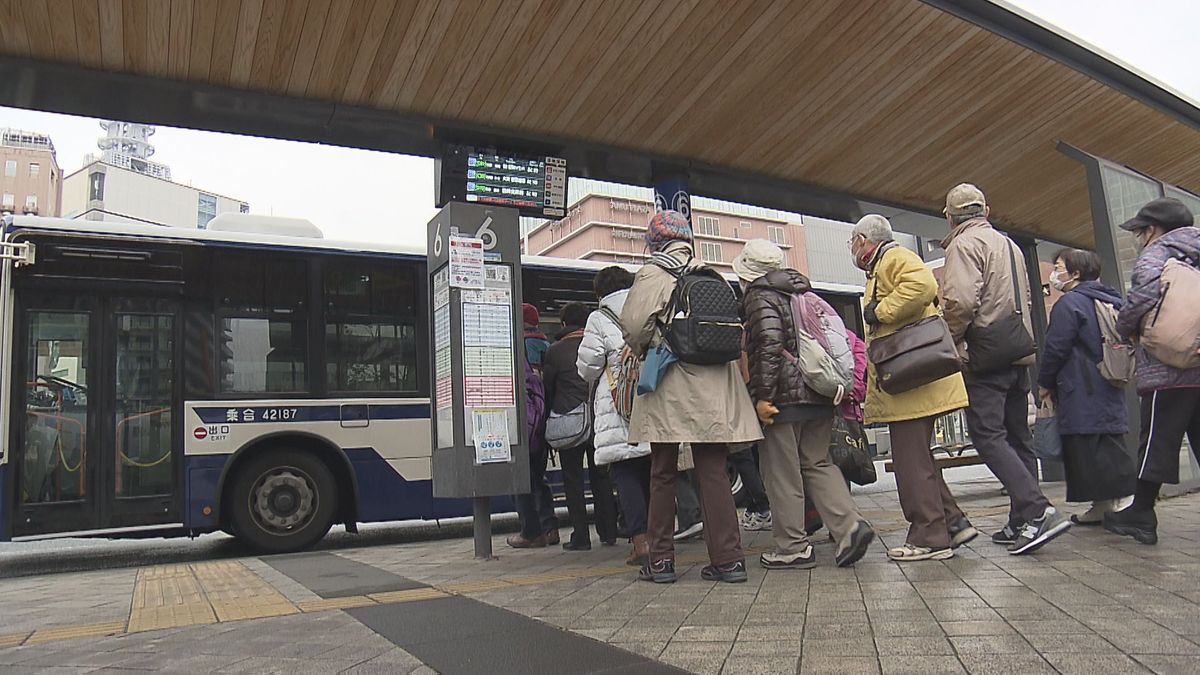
257, 380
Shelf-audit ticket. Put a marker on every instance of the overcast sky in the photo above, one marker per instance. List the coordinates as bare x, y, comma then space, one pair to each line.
373, 196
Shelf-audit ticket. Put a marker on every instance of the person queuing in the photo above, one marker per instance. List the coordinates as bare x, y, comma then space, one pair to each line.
1092, 420
797, 420
536, 342
599, 356
744, 461
535, 509
851, 409
757, 516
705, 405
902, 291
984, 289
566, 392
1170, 405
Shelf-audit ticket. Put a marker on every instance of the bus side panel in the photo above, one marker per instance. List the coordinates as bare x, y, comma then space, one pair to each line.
203, 474
458, 508
384, 494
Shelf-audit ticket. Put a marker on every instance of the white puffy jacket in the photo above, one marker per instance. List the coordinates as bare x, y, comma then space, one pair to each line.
599, 350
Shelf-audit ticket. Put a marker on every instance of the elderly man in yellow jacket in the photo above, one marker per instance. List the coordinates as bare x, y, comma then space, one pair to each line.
900, 291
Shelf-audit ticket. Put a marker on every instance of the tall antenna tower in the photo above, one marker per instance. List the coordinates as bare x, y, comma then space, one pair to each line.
127, 145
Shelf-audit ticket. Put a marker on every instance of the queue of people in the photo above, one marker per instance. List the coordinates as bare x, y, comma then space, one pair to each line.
672, 361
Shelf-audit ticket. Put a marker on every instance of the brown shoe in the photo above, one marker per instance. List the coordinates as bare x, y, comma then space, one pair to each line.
552, 537
517, 541
641, 550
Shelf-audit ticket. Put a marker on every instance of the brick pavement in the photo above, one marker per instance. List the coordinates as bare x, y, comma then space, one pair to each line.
1090, 602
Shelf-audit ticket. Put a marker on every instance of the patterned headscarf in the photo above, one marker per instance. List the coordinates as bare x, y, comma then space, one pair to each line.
665, 227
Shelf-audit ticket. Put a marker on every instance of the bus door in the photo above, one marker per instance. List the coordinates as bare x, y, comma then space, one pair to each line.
99, 444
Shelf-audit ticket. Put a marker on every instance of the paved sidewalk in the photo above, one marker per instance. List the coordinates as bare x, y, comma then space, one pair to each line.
1088, 603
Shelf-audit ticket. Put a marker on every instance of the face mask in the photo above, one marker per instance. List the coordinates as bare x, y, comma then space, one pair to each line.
862, 259
1141, 238
1058, 281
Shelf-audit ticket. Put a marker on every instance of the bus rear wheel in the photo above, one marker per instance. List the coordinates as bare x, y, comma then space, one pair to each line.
282, 501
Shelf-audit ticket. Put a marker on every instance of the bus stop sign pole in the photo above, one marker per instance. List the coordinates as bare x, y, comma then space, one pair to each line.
479, 445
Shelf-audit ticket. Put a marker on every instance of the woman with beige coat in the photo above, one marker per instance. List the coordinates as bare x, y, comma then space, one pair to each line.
704, 405
900, 291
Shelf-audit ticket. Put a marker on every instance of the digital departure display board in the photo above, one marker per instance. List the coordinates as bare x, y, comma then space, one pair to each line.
535, 185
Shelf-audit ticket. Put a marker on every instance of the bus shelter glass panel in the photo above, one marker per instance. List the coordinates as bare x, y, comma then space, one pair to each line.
145, 378
56, 408
1191, 200
1124, 194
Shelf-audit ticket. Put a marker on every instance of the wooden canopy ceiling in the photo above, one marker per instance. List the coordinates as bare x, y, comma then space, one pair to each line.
892, 101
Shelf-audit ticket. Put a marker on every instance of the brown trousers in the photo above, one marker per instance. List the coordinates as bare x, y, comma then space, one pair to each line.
925, 499
721, 532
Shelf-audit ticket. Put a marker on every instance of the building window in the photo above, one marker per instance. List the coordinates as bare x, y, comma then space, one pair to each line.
96, 186
711, 252
31, 202
206, 210
35, 169
10, 201
708, 226
776, 234
10, 168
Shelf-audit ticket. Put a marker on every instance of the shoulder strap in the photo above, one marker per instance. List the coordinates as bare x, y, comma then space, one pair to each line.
887, 246
612, 316
1012, 258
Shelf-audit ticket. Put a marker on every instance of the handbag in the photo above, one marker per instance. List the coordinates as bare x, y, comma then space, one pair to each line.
915, 355
1047, 443
998, 344
848, 451
570, 429
654, 367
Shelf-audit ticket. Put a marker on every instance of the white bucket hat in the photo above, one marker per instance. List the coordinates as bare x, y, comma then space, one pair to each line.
758, 257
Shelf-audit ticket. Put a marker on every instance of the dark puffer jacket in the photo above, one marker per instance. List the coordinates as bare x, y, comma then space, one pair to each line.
770, 332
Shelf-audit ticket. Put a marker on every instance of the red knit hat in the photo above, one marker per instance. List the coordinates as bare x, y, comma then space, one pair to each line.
530, 314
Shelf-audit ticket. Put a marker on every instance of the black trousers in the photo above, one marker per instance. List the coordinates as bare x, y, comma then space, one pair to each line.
1166, 416
602, 495
632, 477
536, 507
998, 420
687, 504
746, 465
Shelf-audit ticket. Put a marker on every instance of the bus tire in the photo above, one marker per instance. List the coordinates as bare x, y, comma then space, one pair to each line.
282, 500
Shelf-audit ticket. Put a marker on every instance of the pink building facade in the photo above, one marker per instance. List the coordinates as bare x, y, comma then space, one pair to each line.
611, 229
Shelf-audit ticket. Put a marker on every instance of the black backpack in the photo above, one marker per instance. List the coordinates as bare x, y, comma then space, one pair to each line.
704, 324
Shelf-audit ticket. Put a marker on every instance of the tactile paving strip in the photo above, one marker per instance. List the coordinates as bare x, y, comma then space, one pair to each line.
170, 596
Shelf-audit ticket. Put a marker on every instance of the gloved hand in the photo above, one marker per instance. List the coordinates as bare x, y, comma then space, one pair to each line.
766, 412
869, 313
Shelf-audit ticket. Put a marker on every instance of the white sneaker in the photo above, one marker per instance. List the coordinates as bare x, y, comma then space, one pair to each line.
765, 523
756, 522
911, 553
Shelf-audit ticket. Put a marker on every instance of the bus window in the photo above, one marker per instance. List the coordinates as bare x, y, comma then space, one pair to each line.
56, 408
261, 324
370, 327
